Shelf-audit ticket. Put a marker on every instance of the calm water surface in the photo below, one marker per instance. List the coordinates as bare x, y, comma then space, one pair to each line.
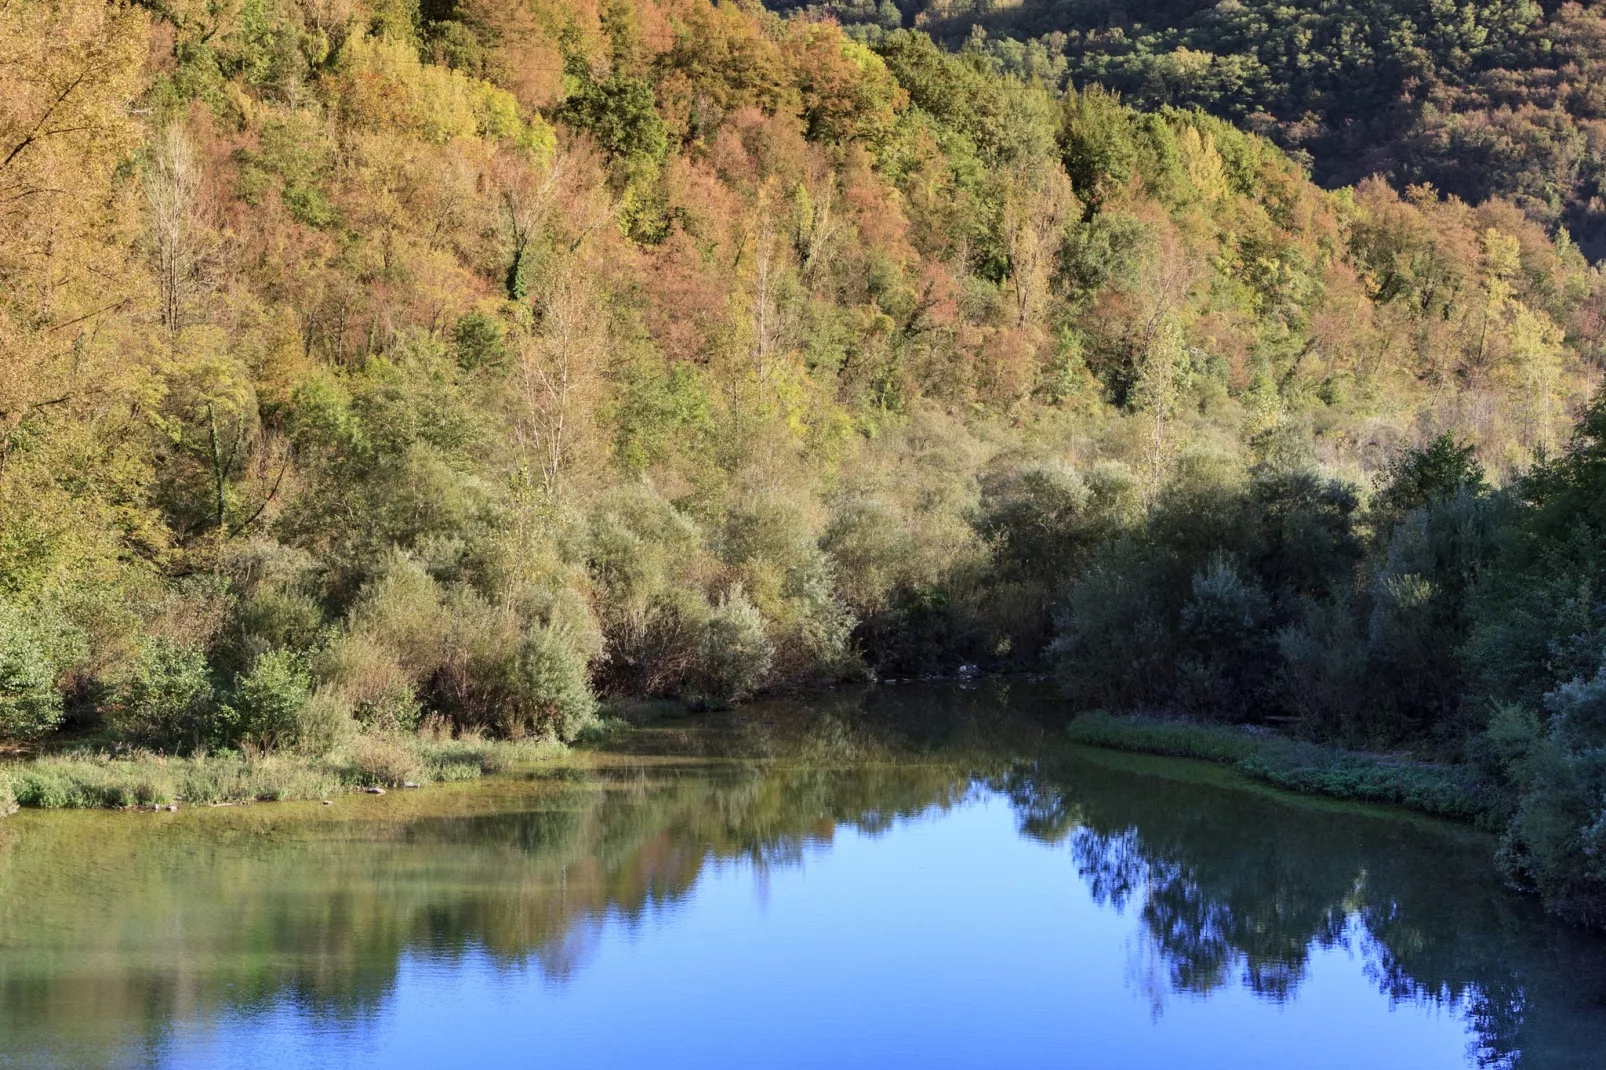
1077, 909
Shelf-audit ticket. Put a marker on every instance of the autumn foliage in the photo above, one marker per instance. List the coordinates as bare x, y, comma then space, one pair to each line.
462, 360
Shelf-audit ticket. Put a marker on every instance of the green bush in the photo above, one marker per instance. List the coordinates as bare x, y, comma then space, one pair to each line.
166, 698
267, 705
275, 619
1414, 479
551, 687
813, 628
1421, 610
734, 654
654, 652
1323, 676
1228, 646
401, 611
480, 341
873, 551
30, 705
369, 678
1114, 646
8, 794
1041, 520
770, 551
1557, 839
925, 631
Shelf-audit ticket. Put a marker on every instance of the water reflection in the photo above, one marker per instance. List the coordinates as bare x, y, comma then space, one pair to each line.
118, 931
1242, 887
112, 924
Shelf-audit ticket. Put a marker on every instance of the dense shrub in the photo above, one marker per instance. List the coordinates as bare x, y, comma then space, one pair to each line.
166, 698
368, 679
324, 723
550, 687
649, 565
1044, 519
1557, 840
30, 705
1421, 614
276, 619
1225, 643
1324, 676
1189, 609
1042, 523
400, 611
654, 651
769, 547
873, 551
734, 655
268, 703
1415, 479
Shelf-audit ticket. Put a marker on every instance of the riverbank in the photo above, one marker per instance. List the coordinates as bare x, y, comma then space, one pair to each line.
89, 778
1356, 776
97, 777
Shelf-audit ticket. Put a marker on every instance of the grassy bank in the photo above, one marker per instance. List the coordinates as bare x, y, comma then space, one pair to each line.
1444, 791
91, 778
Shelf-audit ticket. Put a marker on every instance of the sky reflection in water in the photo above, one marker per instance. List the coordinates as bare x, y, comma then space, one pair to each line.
1082, 909
947, 941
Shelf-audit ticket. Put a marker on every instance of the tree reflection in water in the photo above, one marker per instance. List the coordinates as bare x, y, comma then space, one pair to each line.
1241, 885
115, 927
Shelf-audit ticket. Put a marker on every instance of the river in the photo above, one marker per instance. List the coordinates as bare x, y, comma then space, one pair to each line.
857, 883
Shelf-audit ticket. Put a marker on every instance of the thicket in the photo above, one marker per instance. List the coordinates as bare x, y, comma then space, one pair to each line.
370, 367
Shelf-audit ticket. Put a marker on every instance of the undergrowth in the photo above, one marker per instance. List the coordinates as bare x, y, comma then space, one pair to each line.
89, 778
1445, 791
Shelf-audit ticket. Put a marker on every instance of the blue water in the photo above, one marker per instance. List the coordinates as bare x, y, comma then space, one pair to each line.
1098, 911
948, 940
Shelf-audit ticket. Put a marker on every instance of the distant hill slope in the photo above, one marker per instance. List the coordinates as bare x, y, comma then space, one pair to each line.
1485, 98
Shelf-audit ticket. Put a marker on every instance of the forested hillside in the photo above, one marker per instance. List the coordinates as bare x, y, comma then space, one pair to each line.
1479, 99
370, 365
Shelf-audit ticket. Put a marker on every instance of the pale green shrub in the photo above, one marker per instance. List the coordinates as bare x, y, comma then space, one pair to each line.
734, 654
370, 680
324, 724
551, 687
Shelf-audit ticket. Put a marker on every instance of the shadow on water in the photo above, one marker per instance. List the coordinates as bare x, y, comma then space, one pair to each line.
115, 930
1236, 885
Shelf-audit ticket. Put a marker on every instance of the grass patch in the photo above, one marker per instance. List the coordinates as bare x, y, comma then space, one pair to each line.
1444, 791
91, 779
483, 755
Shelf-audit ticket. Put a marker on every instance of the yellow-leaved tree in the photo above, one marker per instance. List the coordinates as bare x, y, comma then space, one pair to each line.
69, 70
